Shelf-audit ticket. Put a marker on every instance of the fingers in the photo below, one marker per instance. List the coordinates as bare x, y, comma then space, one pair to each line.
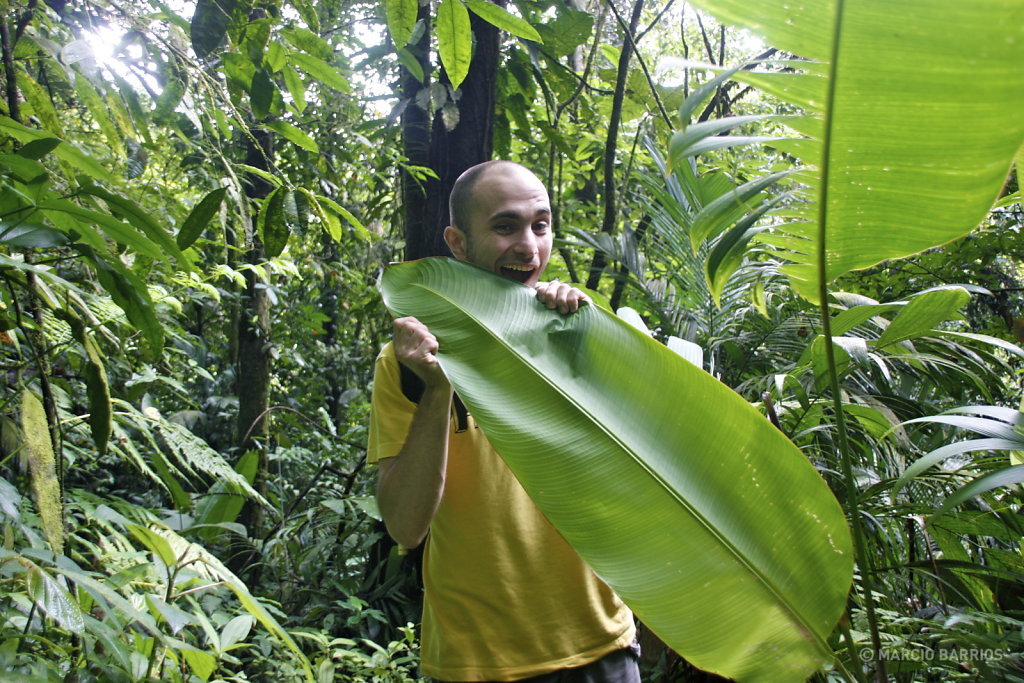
416, 348
558, 295
414, 344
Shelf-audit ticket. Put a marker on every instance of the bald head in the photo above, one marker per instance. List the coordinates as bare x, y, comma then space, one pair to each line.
461, 200
501, 221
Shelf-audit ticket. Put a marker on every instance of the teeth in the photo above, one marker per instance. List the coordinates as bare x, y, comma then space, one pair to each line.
516, 266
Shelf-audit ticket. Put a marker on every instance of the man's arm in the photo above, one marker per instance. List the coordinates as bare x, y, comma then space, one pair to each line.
410, 484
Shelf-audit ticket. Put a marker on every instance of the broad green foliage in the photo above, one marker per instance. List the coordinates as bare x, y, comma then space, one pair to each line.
892, 171
453, 31
197, 220
181, 553
135, 199
210, 25
401, 17
924, 312
193, 455
1003, 429
738, 556
222, 505
143, 616
454, 39
503, 19
98, 389
124, 210
912, 124
33, 202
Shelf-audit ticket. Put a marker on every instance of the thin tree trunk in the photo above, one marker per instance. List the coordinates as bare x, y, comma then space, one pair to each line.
555, 190
253, 368
582, 66
13, 107
610, 204
336, 371
620, 282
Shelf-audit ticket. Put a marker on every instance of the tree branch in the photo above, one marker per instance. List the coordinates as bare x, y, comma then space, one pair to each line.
656, 21
643, 65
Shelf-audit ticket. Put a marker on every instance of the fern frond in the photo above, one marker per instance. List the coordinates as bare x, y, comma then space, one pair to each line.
195, 454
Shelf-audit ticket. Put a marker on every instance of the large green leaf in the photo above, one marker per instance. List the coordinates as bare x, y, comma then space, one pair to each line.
210, 24
42, 467
707, 521
53, 599
454, 40
98, 393
401, 17
197, 220
224, 502
294, 135
273, 227
915, 114
320, 70
925, 311
503, 19
156, 543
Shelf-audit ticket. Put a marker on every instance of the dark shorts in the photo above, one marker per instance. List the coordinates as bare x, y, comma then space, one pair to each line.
621, 666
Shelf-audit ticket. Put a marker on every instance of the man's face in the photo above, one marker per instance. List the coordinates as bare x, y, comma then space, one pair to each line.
509, 231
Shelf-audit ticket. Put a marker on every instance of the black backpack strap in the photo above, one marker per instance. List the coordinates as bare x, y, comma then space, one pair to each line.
413, 388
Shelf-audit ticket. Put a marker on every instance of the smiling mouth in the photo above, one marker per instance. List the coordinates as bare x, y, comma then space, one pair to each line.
520, 272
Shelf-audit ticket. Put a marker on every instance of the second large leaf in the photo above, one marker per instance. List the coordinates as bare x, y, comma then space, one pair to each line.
915, 117
706, 520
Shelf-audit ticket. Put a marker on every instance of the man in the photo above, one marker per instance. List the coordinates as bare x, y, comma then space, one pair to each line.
505, 597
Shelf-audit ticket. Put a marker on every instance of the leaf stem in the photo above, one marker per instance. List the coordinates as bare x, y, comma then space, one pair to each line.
845, 454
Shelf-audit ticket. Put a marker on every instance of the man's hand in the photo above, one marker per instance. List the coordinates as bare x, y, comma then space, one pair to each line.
566, 298
416, 348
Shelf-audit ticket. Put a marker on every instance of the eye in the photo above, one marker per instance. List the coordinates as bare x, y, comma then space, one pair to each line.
540, 228
503, 228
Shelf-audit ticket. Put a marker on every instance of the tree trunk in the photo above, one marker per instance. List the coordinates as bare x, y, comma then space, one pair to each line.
450, 152
620, 283
253, 332
610, 210
416, 146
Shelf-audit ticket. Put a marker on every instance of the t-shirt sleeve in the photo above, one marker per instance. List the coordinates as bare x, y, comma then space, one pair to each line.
391, 412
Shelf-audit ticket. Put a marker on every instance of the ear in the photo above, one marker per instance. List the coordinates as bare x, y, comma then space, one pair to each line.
456, 241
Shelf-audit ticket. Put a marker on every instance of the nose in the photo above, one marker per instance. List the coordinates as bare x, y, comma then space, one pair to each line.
526, 246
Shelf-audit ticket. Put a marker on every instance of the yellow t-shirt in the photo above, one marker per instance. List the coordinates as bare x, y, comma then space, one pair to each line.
505, 597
